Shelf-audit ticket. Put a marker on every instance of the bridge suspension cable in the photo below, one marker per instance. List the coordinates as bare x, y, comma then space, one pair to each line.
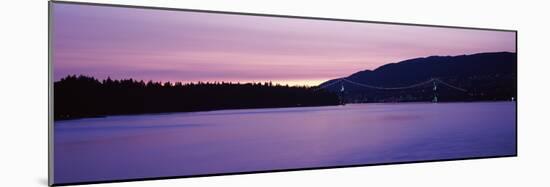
328, 85
433, 80
389, 88
451, 86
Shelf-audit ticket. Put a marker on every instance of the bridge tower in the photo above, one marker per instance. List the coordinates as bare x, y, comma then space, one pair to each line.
342, 99
435, 91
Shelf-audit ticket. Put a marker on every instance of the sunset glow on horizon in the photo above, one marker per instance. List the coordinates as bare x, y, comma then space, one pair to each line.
180, 46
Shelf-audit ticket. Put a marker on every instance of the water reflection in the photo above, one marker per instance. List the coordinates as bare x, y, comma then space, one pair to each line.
124, 147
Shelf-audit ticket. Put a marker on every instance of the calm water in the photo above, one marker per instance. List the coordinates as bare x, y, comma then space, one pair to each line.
139, 146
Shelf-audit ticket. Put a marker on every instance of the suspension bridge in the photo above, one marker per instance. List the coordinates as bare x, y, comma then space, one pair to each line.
433, 81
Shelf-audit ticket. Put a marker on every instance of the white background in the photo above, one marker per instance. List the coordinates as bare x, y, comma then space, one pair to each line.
23, 92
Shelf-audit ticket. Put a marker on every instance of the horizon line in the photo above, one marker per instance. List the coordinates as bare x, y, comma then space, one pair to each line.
275, 82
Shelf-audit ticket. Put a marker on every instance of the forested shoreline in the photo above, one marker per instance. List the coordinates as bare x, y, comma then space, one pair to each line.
85, 96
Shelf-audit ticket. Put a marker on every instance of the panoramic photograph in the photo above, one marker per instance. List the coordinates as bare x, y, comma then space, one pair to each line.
146, 93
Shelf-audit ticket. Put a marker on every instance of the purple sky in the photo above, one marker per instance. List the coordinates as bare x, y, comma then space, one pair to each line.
182, 46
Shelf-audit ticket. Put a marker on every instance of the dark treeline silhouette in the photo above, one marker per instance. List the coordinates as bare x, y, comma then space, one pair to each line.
83, 96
